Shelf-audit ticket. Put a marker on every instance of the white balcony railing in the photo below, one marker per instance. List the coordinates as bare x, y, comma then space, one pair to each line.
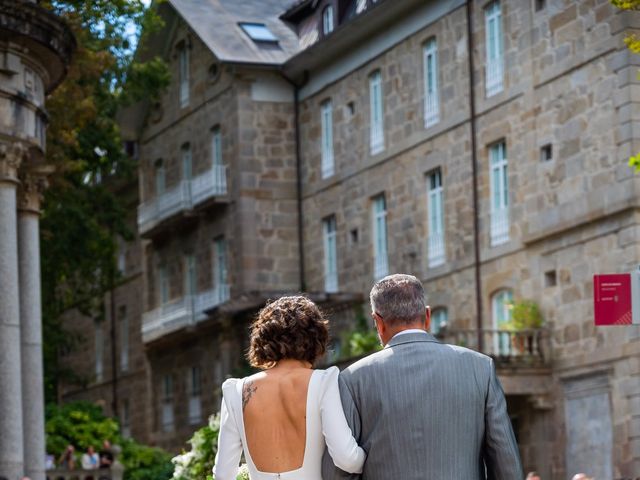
435, 254
331, 282
499, 226
431, 110
184, 196
181, 313
380, 267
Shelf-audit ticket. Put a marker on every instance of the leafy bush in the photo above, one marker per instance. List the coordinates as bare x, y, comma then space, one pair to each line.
363, 342
525, 314
198, 462
83, 424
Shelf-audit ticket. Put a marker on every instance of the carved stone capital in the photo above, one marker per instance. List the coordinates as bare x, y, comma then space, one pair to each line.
31, 191
11, 157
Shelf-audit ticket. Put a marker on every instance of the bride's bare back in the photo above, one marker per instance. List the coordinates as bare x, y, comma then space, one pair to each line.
274, 404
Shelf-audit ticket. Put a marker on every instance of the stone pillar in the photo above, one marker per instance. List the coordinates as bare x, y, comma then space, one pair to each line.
11, 440
29, 194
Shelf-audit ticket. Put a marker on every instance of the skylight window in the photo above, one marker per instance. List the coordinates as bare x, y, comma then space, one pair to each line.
258, 32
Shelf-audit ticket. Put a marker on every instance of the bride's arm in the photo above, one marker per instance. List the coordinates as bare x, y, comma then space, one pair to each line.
229, 446
342, 447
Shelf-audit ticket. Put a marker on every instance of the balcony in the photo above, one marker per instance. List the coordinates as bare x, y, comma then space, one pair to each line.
187, 195
181, 313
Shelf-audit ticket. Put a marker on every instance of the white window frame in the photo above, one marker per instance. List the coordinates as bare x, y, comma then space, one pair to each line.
216, 147
330, 254
380, 246
494, 72
327, 20
124, 342
439, 319
431, 95
436, 249
99, 359
220, 271
328, 163
499, 180
376, 110
183, 69
195, 391
164, 289
500, 314
187, 162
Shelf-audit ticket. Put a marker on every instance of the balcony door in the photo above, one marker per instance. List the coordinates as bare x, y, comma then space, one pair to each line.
501, 314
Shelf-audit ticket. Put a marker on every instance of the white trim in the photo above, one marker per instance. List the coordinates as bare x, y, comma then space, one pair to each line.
499, 200
431, 93
326, 139
330, 255
183, 75
327, 20
436, 251
376, 113
501, 313
380, 247
494, 71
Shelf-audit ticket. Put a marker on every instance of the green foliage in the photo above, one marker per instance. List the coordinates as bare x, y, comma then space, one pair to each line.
197, 463
82, 213
83, 424
525, 314
363, 342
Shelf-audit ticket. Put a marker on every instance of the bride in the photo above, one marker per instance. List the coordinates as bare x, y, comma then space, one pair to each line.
283, 416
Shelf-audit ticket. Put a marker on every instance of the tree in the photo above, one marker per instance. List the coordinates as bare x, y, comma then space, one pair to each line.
82, 215
633, 43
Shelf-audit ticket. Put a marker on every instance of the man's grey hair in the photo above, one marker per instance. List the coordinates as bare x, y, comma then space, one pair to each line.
398, 299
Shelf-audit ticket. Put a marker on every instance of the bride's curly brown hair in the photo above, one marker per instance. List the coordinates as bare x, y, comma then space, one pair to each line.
289, 327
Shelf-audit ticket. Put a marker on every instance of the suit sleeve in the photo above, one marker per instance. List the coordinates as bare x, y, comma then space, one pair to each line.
229, 446
501, 455
329, 470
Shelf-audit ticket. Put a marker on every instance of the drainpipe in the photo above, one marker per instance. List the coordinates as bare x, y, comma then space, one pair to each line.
474, 176
296, 108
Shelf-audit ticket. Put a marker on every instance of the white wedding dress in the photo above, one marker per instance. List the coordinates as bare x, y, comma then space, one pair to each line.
325, 422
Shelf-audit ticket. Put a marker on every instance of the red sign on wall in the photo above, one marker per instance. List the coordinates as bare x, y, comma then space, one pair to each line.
612, 299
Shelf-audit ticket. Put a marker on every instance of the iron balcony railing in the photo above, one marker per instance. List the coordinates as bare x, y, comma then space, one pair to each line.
186, 195
499, 226
529, 347
435, 252
180, 313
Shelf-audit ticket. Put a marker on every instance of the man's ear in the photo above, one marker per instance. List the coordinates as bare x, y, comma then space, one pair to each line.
427, 318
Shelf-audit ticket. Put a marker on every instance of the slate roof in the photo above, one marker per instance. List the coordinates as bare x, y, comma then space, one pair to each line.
216, 23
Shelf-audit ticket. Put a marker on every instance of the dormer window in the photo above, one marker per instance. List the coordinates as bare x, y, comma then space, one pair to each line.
258, 32
327, 20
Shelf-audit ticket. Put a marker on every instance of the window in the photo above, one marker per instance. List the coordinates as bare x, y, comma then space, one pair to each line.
195, 389
327, 20
126, 419
377, 120
167, 422
183, 56
380, 256
258, 32
550, 278
540, 4
494, 70
439, 319
160, 178
220, 269
190, 275
99, 360
124, 338
216, 147
435, 209
327, 139
501, 314
431, 106
330, 255
187, 164
499, 194
163, 284
546, 153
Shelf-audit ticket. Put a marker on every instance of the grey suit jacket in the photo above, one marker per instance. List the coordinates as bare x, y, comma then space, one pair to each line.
424, 410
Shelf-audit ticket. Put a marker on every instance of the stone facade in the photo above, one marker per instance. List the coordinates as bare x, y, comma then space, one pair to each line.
566, 116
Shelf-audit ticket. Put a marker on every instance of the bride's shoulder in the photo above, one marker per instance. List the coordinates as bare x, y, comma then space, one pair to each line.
328, 375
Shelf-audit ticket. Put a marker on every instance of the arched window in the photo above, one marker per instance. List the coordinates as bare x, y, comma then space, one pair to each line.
439, 319
327, 20
500, 315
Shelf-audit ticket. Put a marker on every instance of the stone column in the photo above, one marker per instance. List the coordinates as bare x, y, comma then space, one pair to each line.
31, 188
11, 439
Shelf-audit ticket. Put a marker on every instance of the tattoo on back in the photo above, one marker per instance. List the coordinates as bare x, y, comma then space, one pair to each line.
247, 392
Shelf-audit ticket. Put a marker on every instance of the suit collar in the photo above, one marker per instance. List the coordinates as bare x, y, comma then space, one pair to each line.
411, 338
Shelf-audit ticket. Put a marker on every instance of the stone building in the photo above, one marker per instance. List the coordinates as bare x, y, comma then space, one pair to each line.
319, 146
35, 50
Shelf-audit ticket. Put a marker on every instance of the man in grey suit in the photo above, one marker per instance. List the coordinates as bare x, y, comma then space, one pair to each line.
420, 408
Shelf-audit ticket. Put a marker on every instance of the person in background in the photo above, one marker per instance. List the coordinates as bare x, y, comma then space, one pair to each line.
106, 455
533, 476
67, 460
90, 459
